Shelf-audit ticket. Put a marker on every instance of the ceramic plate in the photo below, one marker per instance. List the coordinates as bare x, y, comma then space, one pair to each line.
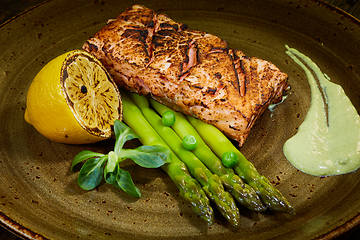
39, 196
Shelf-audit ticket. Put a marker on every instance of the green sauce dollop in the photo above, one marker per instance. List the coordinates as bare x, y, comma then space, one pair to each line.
327, 143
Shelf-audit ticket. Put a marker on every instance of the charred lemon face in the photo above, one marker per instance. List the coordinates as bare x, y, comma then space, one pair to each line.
73, 100
90, 93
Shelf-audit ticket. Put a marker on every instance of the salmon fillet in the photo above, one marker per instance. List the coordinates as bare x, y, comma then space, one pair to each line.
190, 71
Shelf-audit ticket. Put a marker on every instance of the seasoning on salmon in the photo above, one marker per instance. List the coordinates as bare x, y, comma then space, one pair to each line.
190, 71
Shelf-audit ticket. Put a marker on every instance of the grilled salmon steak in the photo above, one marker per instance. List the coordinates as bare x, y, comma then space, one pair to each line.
190, 71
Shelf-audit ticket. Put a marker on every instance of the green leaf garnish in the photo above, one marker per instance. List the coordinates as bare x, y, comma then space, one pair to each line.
91, 173
110, 167
125, 183
122, 134
147, 156
82, 156
98, 165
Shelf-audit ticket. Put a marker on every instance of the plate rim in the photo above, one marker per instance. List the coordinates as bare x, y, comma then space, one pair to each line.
16, 228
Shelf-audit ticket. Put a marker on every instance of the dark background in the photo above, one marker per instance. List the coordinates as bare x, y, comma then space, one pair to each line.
9, 8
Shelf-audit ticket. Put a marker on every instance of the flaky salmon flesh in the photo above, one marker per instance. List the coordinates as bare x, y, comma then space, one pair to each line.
190, 71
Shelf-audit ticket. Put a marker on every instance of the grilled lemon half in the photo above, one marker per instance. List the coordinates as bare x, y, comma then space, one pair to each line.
73, 99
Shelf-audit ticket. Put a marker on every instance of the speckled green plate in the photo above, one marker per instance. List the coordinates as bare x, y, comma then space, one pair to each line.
39, 197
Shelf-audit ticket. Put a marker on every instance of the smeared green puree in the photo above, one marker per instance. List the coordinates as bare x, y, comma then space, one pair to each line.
328, 141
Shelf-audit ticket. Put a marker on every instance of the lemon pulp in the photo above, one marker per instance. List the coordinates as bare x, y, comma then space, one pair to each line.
73, 100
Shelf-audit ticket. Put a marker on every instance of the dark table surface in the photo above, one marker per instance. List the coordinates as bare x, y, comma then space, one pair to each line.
10, 8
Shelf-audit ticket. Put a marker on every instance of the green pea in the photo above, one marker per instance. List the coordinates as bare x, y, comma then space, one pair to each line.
168, 118
189, 142
229, 159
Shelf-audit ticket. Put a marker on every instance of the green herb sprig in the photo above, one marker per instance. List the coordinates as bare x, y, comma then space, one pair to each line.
98, 166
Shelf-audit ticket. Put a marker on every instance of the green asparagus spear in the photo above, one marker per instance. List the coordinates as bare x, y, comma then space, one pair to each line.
220, 144
189, 188
211, 183
242, 192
